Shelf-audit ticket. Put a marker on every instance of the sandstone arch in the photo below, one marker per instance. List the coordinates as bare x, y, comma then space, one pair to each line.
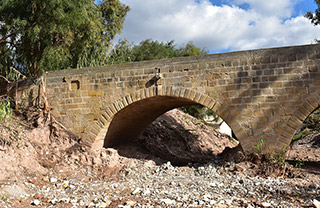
297, 118
130, 115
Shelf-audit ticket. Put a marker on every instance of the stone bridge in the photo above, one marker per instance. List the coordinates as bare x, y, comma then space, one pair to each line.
261, 94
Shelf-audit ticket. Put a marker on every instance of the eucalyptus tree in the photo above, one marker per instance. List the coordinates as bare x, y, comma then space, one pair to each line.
41, 35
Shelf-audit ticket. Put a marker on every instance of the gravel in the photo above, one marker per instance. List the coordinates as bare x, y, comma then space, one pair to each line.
145, 184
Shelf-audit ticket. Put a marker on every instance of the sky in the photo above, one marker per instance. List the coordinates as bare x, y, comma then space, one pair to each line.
221, 25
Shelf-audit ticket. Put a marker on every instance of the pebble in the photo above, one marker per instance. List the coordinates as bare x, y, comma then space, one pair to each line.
36, 202
46, 179
54, 201
265, 204
135, 191
316, 203
103, 205
130, 203
168, 201
53, 180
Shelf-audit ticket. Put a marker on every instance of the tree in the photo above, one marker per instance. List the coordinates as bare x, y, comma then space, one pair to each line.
315, 18
124, 51
192, 50
121, 53
41, 35
150, 49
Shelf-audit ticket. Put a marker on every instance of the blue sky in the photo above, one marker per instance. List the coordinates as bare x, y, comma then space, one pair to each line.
304, 6
221, 25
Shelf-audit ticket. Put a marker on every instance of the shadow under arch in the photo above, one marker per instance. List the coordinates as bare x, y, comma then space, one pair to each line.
129, 116
311, 104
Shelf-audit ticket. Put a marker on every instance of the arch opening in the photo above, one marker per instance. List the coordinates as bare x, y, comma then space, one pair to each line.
175, 140
134, 118
304, 128
304, 149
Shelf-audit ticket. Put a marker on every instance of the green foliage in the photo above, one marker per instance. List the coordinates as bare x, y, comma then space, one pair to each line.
199, 111
124, 51
192, 50
300, 135
4, 197
9, 130
279, 158
5, 110
314, 17
313, 121
121, 53
259, 146
41, 35
299, 164
149, 50
311, 124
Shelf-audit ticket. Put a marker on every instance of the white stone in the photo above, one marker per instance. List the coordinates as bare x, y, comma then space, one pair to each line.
53, 201
147, 191
130, 203
316, 203
136, 191
35, 202
265, 204
212, 202
73, 201
207, 197
168, 201
53, 180
65, 200
102, 205
91, 204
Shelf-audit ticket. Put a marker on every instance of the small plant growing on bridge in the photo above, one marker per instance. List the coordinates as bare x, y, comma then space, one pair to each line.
259, 146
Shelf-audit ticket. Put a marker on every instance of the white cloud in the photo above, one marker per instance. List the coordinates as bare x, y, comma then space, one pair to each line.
263, 24
280, 8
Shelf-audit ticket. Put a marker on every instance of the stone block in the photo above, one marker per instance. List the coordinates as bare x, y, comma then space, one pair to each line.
95, 93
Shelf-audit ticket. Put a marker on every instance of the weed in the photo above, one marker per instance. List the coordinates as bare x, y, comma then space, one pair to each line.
299, 164
4, 197
5, 109
9, 132
279, 158
300, 135
259, 146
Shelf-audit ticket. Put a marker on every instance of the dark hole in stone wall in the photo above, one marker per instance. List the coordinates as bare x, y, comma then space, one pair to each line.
75, 85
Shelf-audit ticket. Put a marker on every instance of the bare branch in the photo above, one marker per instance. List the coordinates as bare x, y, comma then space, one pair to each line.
15, 70
5, 79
